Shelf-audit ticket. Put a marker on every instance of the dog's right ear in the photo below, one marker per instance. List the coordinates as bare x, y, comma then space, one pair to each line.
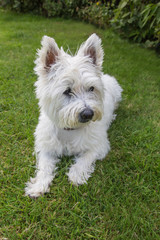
93, 50
47, 55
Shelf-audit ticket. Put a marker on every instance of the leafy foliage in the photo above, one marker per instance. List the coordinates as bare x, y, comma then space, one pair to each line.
96, 13
48, 8
135, 19
23, 5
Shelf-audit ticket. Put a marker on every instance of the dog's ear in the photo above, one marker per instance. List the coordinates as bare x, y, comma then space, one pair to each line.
93, 49
47, 55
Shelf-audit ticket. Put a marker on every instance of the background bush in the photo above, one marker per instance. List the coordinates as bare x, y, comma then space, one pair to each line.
138, 20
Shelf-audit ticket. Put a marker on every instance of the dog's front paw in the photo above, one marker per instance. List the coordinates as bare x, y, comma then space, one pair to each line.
36, 188
78, 175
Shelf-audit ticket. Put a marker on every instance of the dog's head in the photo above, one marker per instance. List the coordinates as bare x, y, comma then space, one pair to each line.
69, 88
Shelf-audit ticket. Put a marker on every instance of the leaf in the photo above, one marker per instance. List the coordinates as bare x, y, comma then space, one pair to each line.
152, 23
124, 3
126, 15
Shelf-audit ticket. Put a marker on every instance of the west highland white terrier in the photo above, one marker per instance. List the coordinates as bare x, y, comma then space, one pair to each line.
77, 103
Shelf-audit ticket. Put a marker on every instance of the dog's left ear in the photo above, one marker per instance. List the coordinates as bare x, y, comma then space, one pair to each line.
93, 49
47, 55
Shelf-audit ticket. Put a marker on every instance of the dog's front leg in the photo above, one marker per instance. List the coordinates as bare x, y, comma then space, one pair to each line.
82, 169
46, 166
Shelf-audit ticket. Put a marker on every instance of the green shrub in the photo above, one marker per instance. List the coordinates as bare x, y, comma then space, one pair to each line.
23, 5
49, 8
97, 13
138, 21
65, 8
52, 8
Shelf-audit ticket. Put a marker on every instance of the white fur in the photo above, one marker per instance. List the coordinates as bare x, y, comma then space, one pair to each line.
59, 113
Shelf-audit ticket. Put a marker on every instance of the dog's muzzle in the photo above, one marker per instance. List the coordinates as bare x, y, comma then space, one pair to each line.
86, 115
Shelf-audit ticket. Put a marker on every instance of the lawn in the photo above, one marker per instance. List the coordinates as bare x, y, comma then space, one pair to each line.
121, 199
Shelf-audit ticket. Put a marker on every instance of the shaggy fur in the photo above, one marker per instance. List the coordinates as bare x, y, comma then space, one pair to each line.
77, 103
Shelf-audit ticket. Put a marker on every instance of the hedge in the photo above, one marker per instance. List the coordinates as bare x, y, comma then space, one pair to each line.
138, 20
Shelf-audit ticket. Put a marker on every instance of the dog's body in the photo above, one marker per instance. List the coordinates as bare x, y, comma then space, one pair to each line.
77, 103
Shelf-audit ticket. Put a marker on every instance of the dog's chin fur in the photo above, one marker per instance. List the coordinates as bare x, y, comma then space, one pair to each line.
66, 86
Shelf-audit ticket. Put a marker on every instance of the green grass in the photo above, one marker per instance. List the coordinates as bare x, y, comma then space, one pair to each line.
121, 199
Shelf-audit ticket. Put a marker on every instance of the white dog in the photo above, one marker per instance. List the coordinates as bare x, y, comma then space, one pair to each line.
76, 103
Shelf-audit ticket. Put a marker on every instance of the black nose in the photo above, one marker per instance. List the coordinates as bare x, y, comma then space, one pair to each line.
86, 115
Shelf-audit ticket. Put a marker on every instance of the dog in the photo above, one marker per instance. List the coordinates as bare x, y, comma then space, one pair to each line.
77, 103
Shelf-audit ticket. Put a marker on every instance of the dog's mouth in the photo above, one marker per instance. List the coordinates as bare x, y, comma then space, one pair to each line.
70, 129
82, 122
74, 120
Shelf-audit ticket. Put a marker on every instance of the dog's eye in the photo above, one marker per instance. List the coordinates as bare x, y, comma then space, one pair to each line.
67, 92
91, 89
